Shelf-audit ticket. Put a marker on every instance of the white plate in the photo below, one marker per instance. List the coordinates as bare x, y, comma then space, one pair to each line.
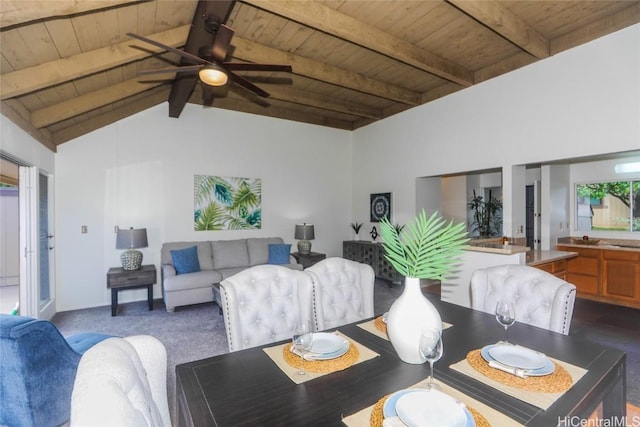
547, 369
328, 356
518, 357
431, 408
326, 343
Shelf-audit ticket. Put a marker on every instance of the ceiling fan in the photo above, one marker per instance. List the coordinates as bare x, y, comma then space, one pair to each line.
212, 68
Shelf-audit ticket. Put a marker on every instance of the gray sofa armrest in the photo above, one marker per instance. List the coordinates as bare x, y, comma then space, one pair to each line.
168, 270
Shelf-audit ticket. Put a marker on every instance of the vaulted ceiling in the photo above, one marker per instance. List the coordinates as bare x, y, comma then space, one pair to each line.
68, 66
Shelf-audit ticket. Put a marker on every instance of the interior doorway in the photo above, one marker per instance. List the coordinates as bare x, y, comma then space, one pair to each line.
9, 238
27, 284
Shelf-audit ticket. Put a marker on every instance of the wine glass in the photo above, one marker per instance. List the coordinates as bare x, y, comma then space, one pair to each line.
506, 316
431, 348
302, 340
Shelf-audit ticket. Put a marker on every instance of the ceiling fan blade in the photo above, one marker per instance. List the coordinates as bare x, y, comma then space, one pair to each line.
246, 66
221, 43
182, 53
186, 68
248, 85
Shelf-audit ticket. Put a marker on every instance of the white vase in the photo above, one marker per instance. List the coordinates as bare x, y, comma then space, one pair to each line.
408, 315
356, 237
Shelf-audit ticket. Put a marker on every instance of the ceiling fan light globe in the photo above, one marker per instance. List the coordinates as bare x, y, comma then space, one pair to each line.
213, 76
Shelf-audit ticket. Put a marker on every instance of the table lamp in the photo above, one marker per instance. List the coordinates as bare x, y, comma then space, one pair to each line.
304, 233
130, 240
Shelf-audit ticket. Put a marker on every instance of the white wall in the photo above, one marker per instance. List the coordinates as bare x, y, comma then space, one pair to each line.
139, 172
582, 102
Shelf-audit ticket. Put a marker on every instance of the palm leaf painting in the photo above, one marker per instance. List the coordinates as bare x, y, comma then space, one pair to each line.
227, 203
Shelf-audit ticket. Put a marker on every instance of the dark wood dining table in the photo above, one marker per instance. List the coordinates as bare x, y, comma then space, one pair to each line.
246, 388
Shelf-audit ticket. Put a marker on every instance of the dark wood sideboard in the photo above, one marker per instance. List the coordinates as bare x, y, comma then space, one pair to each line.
373, 254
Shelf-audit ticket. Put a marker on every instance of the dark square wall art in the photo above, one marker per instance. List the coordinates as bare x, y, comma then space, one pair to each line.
380, 207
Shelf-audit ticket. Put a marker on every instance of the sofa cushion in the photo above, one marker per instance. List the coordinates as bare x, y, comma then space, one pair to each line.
258, 248
185, 260
204, 253
192, 280
279, 253
230, 253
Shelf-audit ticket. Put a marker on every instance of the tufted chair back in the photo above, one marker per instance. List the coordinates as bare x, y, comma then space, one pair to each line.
262, 304
37, 369
540, 298
342, 292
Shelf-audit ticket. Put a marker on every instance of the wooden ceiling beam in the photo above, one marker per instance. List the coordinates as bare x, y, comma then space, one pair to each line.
30, 79
320, 101
155, 97
237, 103
323, 18
11, 109
15, 12
501, 20
91, 101
607, 25
253, 52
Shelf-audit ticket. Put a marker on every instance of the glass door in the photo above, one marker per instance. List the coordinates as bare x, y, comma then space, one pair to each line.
36, 244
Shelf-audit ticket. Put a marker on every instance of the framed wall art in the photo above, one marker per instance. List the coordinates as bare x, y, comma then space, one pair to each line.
380, 207
227, 203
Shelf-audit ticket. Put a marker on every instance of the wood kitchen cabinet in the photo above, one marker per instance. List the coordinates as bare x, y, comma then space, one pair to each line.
557, 268
606, 275
621, 276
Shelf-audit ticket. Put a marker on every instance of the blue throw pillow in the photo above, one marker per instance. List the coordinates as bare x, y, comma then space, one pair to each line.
186, 260
279, 253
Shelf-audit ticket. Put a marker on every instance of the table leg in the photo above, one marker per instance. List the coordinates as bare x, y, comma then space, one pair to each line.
150, 296
114, 301
614, 402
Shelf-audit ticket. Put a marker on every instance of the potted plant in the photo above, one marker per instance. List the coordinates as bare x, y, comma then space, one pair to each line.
429, 249
355, 226
487, 219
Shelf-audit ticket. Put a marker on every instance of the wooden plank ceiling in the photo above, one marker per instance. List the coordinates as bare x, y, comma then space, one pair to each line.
68, 66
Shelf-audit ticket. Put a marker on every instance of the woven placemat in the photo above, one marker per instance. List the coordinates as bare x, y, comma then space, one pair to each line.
322, 366
377, 416
380, 325
557, 382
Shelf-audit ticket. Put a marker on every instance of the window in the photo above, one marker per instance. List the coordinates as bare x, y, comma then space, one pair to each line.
608, 206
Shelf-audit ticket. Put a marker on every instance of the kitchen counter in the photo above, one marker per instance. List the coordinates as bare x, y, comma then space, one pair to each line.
603, 245
496, 248
537, 257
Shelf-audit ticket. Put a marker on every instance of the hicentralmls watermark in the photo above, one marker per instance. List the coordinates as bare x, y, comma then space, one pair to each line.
600, 422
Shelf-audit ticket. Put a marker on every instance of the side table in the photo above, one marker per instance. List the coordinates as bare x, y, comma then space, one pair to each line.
119, 279
307, 260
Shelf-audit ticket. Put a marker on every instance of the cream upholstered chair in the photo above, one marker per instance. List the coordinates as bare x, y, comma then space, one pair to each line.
540, 298
122, 382
342, 292
263, 304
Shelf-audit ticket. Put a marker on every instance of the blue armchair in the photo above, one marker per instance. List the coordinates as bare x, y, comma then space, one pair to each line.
37, 370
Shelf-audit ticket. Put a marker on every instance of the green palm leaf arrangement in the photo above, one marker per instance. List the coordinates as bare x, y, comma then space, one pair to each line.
429, 248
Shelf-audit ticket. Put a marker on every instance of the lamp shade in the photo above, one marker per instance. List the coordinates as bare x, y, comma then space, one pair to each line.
304, 232
132, 238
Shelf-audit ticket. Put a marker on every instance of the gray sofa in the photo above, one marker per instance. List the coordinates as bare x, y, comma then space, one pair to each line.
218, 260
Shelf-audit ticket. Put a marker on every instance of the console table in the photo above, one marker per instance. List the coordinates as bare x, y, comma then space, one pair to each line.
119, 279
373, 254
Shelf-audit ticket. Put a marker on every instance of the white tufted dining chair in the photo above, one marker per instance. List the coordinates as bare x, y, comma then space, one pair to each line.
263, 304
342, 292
540, 298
